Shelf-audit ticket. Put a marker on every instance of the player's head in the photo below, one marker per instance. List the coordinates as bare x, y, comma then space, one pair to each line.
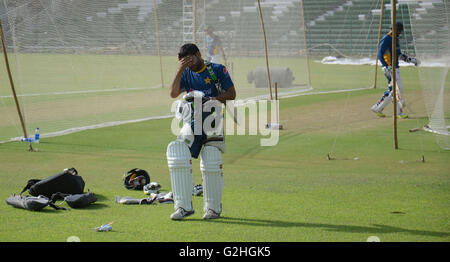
399, 28
192, 51
188, 49
209, 30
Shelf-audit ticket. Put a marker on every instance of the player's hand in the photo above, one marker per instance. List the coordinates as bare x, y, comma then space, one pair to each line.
414, 60
185, 62
387, 71
189, 97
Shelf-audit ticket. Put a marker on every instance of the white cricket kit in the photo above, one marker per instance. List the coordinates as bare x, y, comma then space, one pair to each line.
387, 96
180, 167
211, 167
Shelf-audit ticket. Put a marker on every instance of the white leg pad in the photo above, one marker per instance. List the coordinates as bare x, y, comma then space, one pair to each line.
400, 98
180, 168
384, 101
400, 86
211, 167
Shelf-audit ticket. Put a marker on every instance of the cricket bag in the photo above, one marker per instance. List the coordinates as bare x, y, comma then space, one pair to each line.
31, 203
76, 200
67, 182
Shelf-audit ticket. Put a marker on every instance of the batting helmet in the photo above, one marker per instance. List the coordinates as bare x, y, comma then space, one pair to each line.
136, 179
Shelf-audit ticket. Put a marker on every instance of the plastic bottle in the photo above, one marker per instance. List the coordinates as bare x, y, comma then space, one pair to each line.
28, 139
36, 135
104, 228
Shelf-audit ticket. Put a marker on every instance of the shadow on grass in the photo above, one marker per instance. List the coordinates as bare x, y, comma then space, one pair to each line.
374, 229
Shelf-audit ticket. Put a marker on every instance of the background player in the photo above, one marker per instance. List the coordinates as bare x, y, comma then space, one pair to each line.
214, 47
385, 58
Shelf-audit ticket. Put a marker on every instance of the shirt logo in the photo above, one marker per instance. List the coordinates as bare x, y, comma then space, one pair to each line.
207, 80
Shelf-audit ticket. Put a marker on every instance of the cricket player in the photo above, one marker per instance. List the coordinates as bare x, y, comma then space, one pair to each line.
214, 47
194, 76
385, 58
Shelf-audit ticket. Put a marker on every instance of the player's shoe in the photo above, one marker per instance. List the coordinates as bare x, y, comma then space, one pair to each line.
379, 114
211, 214
181, 214
402, 116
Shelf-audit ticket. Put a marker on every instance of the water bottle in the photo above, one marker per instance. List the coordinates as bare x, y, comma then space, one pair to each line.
28, 139
36, 135
104, 228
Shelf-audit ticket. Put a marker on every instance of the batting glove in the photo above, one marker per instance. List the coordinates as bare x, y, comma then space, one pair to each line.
413, 60
387, 71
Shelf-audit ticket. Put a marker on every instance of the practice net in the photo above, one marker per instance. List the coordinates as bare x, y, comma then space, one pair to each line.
84, 64
430, 28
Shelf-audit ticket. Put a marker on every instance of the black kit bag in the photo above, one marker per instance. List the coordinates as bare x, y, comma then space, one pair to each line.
67, 182
30, 202
76, 200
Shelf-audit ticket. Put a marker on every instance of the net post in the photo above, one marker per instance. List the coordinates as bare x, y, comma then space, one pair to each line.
155, 15
305, 43
378, 43
276, 105
394, 63
11, 82
195, 21
265, 47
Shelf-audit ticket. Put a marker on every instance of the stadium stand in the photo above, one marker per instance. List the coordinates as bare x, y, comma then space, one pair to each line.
330, 25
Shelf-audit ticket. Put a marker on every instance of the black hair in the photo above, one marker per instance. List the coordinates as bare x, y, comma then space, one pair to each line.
399, 27
188, 49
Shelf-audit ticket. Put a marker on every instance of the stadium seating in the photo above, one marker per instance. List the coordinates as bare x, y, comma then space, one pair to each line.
347, 27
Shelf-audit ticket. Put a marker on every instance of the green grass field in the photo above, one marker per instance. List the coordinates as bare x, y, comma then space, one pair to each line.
63, 91
289, 192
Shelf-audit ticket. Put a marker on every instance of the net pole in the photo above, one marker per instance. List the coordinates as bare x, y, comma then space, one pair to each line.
308, 71
155, 15
265, 47
11, 82
378, 43
276, 105
394, 63
195, 21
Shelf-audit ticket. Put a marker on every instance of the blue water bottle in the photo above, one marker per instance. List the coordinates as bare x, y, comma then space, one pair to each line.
28, 139
36, 135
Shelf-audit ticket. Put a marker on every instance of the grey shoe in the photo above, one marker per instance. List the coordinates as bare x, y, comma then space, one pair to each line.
211, 214
181, 213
